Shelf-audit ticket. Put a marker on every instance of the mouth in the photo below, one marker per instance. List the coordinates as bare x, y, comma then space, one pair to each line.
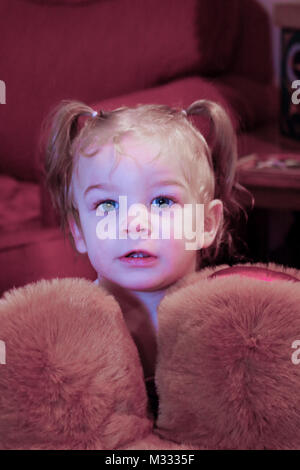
138, 254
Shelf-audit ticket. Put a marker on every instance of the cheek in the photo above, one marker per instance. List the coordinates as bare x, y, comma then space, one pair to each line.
89, 229
168, 224
184, 223
175, 250
187, 236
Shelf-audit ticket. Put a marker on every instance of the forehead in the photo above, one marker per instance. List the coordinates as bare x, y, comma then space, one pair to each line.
145, 156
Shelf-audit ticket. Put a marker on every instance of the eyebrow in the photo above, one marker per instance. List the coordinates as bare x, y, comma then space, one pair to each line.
168, 183
98, 186
156, 184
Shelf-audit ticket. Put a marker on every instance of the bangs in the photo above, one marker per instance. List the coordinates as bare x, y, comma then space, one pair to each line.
176, 136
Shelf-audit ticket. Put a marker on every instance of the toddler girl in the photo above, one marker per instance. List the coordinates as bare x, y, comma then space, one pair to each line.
152, 156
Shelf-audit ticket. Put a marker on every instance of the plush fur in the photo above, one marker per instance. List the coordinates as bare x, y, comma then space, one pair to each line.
225, 375
225, 378
72, 378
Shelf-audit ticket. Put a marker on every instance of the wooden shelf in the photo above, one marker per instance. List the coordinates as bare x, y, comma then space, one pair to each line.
251, 174
272, 187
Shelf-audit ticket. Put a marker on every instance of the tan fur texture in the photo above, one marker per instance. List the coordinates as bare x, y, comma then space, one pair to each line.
224, 374
225, 378
72, 378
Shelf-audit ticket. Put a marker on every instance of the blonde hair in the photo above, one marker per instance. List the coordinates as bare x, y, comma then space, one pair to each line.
74, 129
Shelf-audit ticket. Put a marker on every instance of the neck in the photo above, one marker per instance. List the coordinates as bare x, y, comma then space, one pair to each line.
144, 302
140, 314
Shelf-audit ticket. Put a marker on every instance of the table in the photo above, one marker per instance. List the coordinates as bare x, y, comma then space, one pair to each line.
272, 230
272, 188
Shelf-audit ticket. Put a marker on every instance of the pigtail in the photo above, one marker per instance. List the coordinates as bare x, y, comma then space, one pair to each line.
223, 161
57, 137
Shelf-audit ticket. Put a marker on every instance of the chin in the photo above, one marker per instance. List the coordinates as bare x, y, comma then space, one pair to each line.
146, 284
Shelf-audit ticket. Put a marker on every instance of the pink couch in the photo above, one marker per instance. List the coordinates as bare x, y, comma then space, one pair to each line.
111, 53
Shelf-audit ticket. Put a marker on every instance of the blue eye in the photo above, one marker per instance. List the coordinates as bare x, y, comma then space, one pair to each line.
107, 206
162, 201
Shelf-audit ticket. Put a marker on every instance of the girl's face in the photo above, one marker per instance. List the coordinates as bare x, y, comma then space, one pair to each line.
159, 186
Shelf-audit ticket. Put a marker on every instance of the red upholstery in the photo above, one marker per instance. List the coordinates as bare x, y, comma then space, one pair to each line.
111, 53
253, 62
263, 274
19, 205
66, 51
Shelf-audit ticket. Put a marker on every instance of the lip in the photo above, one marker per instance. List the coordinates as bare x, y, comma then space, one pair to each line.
139, 262
138, 250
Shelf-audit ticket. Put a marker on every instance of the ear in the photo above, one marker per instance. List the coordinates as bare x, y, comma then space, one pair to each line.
77, 235
212, 218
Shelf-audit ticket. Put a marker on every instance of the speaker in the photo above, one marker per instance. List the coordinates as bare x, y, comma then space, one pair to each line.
290, 73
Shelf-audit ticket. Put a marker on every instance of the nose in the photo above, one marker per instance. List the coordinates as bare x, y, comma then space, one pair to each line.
136, 224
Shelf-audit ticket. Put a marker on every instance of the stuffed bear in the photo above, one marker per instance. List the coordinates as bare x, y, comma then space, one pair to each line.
227, 374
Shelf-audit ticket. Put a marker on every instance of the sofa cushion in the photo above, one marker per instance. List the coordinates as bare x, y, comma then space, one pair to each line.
31, 255
19, 205
63, 2
95, 51
29, 252
254, 103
